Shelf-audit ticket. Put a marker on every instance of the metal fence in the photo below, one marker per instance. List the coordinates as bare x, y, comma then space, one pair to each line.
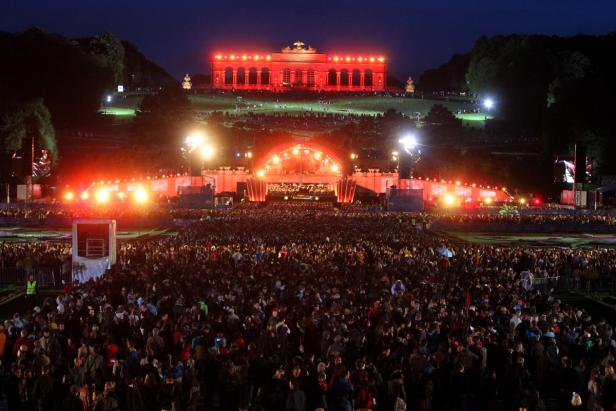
601, 284
44, 276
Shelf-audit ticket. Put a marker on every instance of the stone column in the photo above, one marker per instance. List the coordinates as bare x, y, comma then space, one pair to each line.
246, 77
305, 77
234, 78
361, 79
292, 77
338, 79
258, 78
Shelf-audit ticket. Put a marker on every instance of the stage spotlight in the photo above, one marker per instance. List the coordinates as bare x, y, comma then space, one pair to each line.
121, 195
194, 140
102, 195
335, 168
449, 199
488, 103
141, 196
69, 196
487, 200
522, 201
85, 195
276, 160
408, 142
260, 173
207, 152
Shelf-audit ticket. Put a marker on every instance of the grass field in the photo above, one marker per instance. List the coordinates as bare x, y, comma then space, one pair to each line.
120, 111
538, 239
357, 105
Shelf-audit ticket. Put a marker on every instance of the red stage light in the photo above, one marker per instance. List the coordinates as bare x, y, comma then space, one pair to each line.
141, 196
102, 195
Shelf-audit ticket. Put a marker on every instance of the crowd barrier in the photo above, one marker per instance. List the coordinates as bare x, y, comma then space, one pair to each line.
59, 221
601, 284
44, 276
497, 227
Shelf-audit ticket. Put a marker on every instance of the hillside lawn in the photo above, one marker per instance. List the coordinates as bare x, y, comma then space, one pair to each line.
267, 104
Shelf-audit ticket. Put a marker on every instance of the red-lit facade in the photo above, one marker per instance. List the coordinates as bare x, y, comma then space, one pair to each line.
298, 67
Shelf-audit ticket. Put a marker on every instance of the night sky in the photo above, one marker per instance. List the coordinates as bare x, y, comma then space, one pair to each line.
180, 35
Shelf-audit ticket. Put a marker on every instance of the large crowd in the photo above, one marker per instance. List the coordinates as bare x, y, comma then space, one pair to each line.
302, 309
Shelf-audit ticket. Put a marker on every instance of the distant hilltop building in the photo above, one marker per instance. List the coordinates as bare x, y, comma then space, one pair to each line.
299, 66
186, 83
410, 86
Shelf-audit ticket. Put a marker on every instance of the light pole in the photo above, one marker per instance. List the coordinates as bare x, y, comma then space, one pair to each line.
488, 104
409, 144
196, 141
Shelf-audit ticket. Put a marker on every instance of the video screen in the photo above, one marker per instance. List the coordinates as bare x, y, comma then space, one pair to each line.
564, 171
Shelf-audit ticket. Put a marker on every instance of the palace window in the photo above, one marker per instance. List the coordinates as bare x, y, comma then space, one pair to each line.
368, 78
265, 76
228, 75
252, 76
298, 77
241, 75
286, 76
331, 77
344, 77
310, 79
356, 78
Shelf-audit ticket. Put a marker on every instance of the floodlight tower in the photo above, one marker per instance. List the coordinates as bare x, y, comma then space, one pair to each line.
410, 155
488, 103
195, 143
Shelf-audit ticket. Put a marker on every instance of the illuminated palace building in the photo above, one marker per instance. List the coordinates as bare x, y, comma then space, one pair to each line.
299, 67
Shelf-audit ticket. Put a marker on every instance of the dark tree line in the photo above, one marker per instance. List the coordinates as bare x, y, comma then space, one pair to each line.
49, 82
450, 76
557, 88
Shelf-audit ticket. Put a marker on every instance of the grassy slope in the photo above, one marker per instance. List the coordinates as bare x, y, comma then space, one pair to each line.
366, 105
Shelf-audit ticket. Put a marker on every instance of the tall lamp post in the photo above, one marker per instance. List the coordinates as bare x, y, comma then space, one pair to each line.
412, 153
196, 144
